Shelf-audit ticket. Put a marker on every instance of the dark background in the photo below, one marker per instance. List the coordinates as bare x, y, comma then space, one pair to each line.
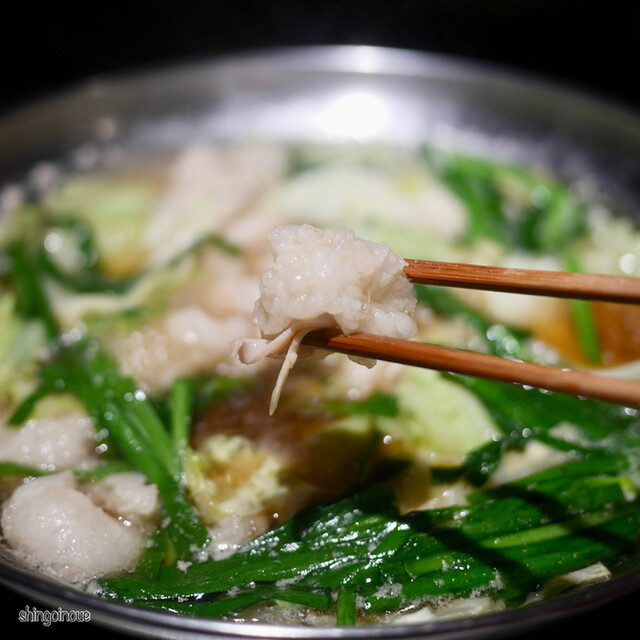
591, 44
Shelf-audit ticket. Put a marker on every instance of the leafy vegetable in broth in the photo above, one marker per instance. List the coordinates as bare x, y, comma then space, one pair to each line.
372, 495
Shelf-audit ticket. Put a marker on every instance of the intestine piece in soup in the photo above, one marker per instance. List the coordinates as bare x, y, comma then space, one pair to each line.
324, 278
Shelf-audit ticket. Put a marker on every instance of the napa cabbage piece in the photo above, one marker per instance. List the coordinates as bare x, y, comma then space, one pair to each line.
455, 424
147, 294
116, 208
408, 208
612, 247
23, 223
22, 342
231, 476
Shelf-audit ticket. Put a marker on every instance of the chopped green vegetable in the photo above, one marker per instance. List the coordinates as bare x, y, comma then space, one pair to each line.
523, 414
16, 469
498, 339
76, 276
511, 204
101, 471
584, 321
153, 556
181, 414
32, 300
377, 404
361, 549
116, 405
346, 607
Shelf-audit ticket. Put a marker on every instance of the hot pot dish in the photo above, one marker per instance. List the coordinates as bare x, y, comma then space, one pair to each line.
142, 462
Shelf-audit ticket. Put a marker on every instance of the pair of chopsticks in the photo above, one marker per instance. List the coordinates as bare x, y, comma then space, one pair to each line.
579, 286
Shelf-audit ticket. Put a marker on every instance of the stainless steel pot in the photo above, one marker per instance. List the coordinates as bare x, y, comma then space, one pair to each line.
328, 94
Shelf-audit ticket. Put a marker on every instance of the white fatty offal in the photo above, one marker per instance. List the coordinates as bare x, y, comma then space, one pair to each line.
323, 278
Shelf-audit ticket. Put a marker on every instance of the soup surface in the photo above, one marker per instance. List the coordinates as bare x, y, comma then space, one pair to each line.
139, 459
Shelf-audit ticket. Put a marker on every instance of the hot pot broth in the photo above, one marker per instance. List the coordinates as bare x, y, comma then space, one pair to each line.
383, 494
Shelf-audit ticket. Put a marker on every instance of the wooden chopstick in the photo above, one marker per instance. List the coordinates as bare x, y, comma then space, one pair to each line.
579, 383
605, 288
558, 284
